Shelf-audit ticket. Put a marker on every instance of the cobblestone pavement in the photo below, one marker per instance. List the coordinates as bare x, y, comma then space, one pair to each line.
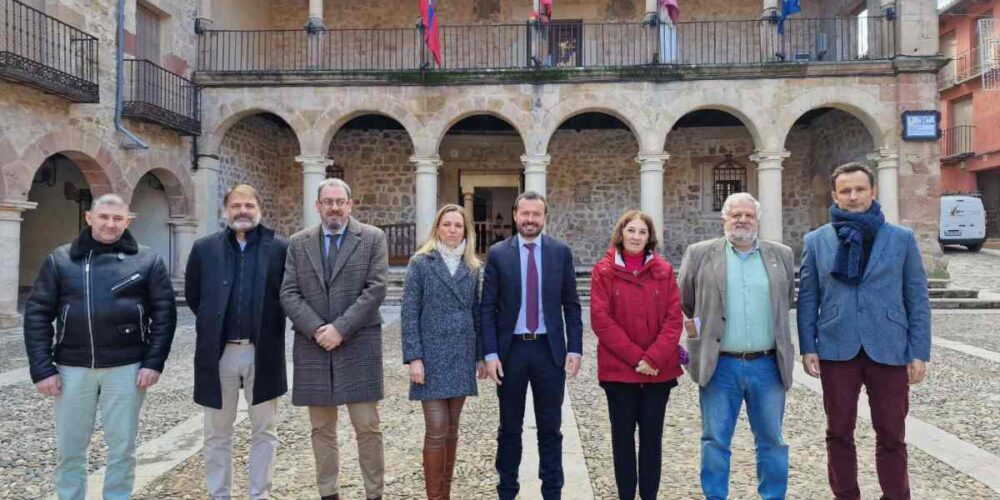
978, 270
961, 397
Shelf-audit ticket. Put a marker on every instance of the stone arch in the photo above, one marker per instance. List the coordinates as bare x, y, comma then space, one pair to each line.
867, 109
91, 156
240, 110
178, 186
678, 109
458, 112
329, 123
568, 112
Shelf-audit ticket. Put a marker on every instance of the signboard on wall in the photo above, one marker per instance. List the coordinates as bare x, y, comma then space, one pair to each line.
924, 125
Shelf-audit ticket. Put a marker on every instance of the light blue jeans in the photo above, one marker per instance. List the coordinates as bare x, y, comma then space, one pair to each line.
758, 382
84, 390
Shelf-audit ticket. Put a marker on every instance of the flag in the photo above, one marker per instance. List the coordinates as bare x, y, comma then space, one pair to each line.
788, 7
673, 11
546, 6
428, 12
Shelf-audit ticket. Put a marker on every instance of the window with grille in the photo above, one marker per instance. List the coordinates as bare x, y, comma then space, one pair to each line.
147, 34
728, 177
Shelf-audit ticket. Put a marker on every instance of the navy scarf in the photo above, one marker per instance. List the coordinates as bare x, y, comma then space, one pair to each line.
853, 230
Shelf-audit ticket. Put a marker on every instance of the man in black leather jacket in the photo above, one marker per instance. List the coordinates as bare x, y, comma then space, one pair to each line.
113, 307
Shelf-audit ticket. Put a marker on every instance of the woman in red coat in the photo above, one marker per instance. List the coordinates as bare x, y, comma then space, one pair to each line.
635, 312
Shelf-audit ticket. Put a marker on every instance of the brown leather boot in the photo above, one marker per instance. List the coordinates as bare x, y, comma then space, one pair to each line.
434, 481
451, 450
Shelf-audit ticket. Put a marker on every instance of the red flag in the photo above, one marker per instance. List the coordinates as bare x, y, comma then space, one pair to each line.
546, 6
673, 11
428, 12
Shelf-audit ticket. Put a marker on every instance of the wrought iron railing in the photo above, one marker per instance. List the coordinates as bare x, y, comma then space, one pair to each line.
961, 68
557, 44
154, 94
956, 142
46, 53
401, 240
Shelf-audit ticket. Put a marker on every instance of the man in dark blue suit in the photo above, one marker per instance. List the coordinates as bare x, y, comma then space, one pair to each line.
528, 289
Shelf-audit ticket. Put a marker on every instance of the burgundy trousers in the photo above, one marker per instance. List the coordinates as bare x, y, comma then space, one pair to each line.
889, 398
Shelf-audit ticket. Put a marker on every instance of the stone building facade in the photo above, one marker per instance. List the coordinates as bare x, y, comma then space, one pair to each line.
598, 128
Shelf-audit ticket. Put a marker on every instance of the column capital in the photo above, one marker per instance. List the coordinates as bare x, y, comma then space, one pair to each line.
651, 162
769, 160
314, 164
884, 158
536, 164
426, 164
17, 205
209, 162
182, 224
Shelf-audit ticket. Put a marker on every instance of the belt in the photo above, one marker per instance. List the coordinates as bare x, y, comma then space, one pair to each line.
528, 336
747, 356
239, 342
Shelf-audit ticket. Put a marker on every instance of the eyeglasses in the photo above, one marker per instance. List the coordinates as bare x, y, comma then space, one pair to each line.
328, 203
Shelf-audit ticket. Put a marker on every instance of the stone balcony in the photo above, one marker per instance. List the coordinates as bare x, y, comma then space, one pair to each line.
551, 53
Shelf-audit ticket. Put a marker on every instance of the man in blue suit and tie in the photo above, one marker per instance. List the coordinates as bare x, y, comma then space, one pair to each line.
863, 318
528, 289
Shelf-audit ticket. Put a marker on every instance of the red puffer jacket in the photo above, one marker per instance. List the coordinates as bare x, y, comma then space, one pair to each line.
636, 316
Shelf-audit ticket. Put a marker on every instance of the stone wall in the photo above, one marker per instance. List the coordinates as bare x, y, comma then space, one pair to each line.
837, 138
377, 166
593, 179
261, 152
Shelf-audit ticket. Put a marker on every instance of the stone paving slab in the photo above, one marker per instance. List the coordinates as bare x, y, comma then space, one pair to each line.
962, 400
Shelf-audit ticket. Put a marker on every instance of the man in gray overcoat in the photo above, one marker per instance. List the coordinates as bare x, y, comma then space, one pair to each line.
335, 276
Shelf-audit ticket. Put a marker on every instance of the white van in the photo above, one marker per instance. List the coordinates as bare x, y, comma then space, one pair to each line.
963, 221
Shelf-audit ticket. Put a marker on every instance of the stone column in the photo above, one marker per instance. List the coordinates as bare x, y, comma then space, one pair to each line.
769, 193
204, 20
651, 188
208, 195
315, 20
426, 185
768, 7
468, 203
10, 245
183, 232
887, 175
313, 174
535, 171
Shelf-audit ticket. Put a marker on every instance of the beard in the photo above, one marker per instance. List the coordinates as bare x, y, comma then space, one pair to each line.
742, 236
243, 223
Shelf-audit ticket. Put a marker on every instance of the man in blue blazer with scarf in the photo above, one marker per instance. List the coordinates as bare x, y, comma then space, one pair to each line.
863, 318
532, 334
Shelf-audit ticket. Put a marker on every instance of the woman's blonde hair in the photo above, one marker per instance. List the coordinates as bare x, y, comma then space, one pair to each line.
470, 236
618, 237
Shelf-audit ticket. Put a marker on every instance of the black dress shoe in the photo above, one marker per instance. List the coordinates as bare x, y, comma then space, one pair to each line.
335, 496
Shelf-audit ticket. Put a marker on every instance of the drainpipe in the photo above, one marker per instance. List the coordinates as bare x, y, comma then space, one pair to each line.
133, 141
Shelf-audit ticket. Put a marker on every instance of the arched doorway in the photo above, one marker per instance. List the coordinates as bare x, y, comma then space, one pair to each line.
260, 150
482, 171
709, 159
820, 140
371, 152
152, 211
593, 178
63, 196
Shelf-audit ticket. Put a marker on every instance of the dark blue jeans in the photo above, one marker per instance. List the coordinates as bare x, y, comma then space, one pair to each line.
758, 382
530, 363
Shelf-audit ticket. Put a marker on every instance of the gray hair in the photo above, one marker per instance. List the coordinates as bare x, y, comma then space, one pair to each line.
333, 182
740, 198
109, 199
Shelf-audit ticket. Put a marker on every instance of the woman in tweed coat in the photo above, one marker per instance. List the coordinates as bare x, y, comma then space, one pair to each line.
440, 343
